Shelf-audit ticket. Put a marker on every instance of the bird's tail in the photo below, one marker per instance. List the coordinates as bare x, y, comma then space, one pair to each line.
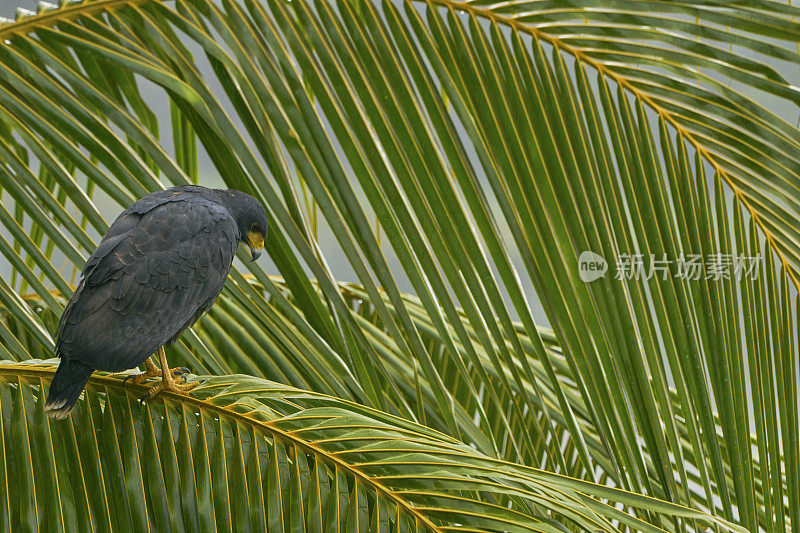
66, 388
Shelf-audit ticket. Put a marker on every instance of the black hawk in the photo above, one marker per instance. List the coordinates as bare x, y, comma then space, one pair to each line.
161, 265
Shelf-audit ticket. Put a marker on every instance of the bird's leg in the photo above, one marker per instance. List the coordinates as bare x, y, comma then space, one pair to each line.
151, 367
152, 371
168, 382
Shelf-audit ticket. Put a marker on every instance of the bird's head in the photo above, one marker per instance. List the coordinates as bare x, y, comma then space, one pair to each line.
250, 217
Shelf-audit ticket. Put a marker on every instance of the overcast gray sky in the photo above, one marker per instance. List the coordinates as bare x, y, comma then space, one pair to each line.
9, 7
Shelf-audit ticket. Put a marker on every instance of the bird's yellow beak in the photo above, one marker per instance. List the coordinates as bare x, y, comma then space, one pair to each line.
256, 242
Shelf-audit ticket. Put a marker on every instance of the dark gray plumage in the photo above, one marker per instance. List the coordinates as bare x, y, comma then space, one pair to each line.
161, 265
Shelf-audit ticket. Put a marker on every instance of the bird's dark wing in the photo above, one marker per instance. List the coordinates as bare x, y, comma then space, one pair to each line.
162, 263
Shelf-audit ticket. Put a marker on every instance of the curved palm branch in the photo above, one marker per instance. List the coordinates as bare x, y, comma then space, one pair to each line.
249, 452
480, 146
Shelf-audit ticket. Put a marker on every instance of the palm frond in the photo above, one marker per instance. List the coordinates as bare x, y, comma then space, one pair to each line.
252, 452
489, 145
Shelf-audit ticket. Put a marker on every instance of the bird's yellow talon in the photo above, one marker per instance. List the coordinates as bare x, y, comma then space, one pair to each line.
169, 381
153, 371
